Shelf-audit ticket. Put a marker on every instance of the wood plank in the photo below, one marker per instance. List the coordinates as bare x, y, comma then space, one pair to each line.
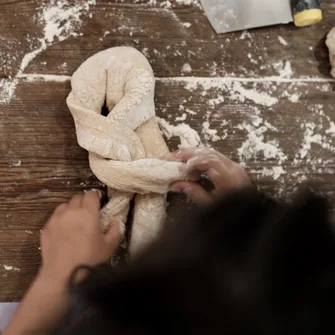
43, 166
52, 144
160, 33
19, 261
293, 127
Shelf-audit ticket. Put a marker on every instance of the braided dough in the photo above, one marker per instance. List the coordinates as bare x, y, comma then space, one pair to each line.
331, 46
124, 146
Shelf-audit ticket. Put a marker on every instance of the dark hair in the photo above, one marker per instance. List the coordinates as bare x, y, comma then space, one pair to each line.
246, 265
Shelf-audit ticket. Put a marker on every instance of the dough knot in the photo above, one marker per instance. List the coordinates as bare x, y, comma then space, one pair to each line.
124, 146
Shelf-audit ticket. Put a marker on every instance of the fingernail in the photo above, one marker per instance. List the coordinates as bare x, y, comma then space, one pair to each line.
175, 189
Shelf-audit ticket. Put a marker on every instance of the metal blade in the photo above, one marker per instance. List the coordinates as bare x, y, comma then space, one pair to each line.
233, 15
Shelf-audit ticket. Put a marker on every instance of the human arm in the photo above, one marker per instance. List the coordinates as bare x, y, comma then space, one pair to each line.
72, 237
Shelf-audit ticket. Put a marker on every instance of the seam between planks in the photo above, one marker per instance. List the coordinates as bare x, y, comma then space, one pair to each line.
36, 77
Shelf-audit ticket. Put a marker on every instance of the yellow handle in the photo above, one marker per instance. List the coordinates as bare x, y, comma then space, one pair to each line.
308, 17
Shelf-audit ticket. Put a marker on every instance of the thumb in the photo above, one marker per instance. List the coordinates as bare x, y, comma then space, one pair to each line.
115, 233
194, 191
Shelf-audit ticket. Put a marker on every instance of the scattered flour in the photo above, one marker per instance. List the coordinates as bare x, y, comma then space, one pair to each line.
181, 118
215, 101
282, 41
252, 60
187, 24
186, 68
284, 69
167, 4
60, 19
236, 90
331, 129
16, 163
7, 89
325, 88
210, 134
195, 3
188, 111
63, 66
43, 77
255, 143
245, 34
274, 172
311, 138
188, 136
11, 268
259, 98
294, 97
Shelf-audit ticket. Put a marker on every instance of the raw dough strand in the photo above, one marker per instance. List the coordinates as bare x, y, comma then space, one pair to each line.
331, 46
124, 147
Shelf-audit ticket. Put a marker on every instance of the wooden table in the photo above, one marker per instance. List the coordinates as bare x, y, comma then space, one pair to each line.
266, 92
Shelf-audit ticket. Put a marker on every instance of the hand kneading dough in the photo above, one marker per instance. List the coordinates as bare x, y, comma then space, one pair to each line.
124, 147
331, 46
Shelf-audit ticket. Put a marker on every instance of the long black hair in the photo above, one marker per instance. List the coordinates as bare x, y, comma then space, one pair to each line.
246, 265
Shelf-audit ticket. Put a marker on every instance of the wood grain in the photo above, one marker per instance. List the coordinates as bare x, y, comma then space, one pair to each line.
42, 165
160, 34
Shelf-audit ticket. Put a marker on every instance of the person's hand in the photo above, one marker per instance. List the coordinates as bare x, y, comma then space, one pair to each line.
225, 174
72, 237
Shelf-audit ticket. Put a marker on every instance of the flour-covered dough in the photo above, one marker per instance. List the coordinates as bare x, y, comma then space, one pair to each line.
331, 46
124, 147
